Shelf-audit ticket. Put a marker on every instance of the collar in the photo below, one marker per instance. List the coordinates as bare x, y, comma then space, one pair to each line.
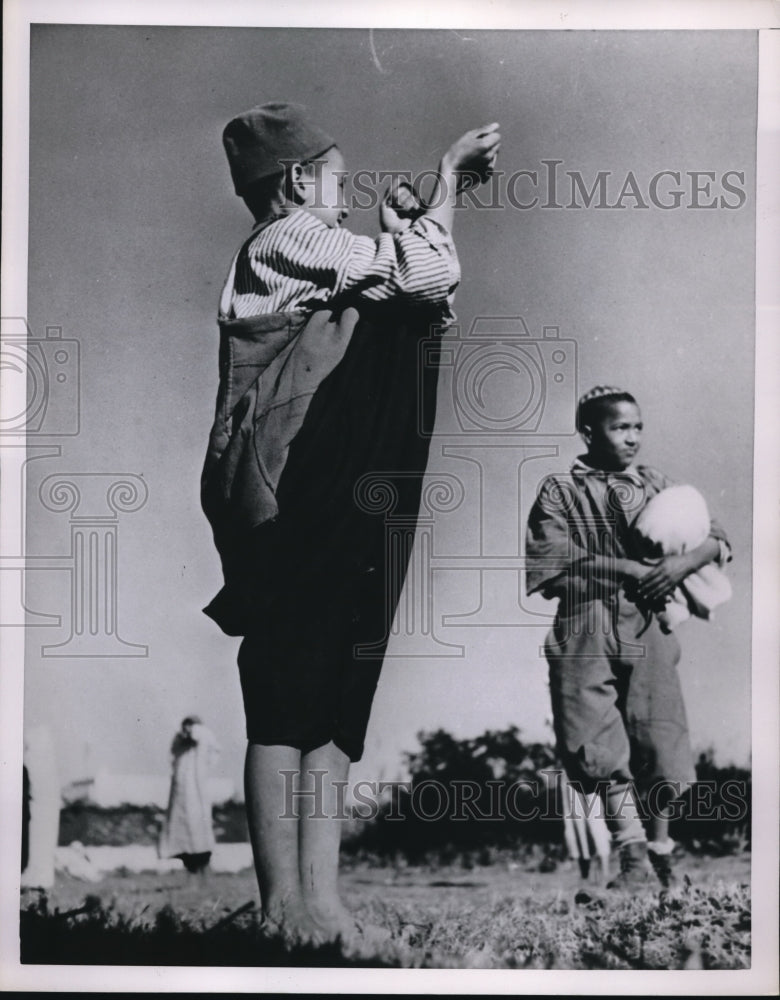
274, 220
581, 468
295, 217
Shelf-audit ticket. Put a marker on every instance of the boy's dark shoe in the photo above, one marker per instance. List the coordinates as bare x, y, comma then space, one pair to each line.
636, 872
663, 867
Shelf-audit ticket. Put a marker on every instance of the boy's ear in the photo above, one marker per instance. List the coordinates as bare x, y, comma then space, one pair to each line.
297, 182
586, 433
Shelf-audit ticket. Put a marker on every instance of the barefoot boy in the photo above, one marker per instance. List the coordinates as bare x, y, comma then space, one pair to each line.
319, 389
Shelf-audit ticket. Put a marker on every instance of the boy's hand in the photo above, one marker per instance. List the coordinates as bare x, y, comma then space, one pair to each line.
663, 578
630, 569
473, 156
399, 207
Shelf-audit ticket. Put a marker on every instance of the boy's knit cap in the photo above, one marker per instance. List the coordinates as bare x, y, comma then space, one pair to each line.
597, 392
259, 139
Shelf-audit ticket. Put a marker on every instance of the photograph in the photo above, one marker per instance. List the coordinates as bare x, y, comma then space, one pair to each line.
389, 486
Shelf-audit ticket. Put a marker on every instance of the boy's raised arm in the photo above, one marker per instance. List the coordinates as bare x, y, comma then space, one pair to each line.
469, 160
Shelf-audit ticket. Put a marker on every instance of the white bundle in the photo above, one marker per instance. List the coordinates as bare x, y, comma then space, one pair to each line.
677, 520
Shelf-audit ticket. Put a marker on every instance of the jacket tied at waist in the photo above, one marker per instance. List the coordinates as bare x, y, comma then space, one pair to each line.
270, 366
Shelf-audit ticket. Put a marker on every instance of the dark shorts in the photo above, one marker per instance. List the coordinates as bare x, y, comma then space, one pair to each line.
617, 705
322, 578
303, 682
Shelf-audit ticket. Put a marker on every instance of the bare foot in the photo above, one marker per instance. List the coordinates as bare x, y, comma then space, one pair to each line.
337, 922
333, 918
372, 936
291, 921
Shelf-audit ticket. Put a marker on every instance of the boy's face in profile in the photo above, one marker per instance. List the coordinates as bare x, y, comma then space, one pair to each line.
614, 440
324, 188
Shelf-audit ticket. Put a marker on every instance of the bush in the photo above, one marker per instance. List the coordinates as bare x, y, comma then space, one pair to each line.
110, 826
717, 811
118, 825
468, 798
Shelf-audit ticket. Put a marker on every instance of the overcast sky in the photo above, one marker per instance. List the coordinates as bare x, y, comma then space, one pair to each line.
132, 225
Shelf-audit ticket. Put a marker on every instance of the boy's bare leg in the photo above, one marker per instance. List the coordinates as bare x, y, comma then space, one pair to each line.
325, 772
274, 832
322, 770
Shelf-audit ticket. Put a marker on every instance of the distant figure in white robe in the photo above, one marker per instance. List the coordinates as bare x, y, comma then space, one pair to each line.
187, 831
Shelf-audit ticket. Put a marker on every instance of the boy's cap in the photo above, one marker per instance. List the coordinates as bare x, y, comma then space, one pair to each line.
597, 392
257, 140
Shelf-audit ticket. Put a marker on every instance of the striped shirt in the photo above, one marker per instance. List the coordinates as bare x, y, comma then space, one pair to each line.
299, 263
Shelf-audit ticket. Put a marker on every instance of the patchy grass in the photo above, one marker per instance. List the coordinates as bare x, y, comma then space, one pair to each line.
500, 916
689, 928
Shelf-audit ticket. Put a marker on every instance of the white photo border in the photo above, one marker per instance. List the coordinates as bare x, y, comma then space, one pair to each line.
739, 14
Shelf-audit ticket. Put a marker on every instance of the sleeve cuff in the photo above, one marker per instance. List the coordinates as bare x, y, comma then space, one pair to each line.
433, 232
